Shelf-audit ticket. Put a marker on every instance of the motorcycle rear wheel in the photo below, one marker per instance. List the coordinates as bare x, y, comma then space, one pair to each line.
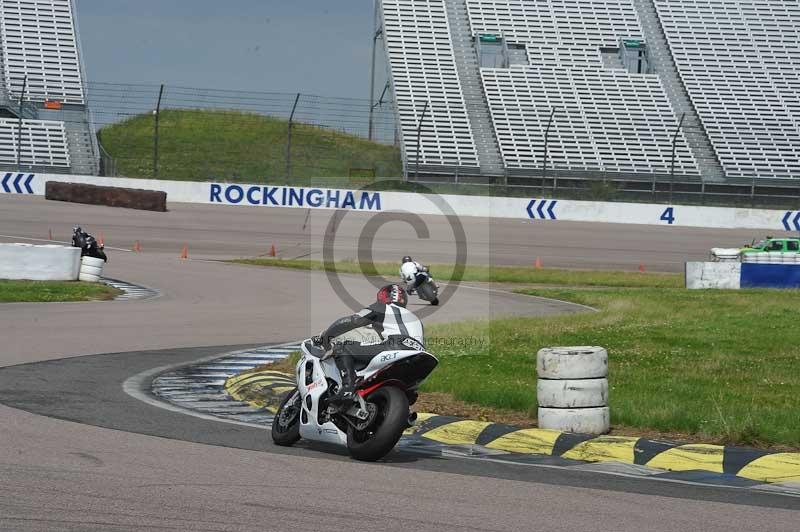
385, 431
426, 292
286, 423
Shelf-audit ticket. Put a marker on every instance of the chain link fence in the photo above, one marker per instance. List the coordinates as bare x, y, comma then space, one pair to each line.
183, 133
176, 132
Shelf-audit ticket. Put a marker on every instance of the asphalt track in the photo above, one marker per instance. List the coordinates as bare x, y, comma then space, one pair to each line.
218, 231
65, 475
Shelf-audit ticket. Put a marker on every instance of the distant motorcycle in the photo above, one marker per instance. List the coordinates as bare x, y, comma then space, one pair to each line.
372, 424
88, 244
427, 290
418, 276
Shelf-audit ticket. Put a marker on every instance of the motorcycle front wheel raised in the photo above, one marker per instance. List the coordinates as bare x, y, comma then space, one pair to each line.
380, 437
286, 423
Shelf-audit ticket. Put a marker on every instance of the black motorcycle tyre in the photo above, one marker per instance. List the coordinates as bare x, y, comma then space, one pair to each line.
290, 435
427, 293
383, 434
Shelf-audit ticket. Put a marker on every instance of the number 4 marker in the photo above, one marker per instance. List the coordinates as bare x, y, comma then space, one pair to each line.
669, 215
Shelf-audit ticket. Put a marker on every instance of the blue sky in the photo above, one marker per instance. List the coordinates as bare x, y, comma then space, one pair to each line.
313, 46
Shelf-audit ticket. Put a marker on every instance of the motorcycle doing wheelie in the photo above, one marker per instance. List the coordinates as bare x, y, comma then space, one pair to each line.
373, 422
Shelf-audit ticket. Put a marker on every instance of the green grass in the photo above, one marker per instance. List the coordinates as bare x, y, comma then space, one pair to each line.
243, 147
52, 291
718, 365
496, 274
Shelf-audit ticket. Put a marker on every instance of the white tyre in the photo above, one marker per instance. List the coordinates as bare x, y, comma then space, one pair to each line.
88, 277
583, 362
572, 393
91, 261
581, 420
92, 270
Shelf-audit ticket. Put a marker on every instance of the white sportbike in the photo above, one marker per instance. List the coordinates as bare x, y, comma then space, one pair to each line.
370, 426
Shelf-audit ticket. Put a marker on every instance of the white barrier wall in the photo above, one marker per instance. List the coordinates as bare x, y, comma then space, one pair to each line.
723, 275
39, 263
538, 210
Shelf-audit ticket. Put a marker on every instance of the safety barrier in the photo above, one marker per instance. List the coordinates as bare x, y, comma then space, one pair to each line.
537, 210
735, 275
39, 263
129, 198
572, 390
91, 269
723, 275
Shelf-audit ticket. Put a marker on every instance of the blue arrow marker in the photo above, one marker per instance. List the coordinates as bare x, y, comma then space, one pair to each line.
16, 183
530, 209
5, 183
796, 221
28, 184
550, 210
539, 209
786, 220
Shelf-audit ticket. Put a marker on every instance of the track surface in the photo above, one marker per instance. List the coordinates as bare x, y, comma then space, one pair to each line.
62, 475
223, 231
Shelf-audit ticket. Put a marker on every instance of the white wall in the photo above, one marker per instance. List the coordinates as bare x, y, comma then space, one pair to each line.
724, 275
39, 263
271, 196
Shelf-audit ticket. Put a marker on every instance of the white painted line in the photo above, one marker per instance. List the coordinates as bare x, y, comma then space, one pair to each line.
56, 242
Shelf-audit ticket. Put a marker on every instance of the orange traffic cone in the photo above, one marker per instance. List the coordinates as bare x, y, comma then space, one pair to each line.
538, 263
137, 247
185, 252
272, 251
641, 267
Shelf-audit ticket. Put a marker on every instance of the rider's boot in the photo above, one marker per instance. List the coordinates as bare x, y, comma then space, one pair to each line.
346, 391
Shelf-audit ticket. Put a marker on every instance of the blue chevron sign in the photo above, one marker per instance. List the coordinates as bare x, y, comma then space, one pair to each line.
795, 220
21, 184
542, 212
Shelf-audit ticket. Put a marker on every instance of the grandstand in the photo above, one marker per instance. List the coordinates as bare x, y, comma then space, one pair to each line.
698, 90
39, 49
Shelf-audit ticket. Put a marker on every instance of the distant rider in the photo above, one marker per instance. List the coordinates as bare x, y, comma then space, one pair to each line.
398, 329
410, 271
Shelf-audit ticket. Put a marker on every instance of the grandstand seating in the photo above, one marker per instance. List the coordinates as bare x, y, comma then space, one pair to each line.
730, 67
38, 40
563, 22
605, 120
423, 70
739, 62
44, 143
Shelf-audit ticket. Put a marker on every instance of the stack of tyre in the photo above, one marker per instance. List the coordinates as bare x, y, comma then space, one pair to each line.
91, 269
572, 389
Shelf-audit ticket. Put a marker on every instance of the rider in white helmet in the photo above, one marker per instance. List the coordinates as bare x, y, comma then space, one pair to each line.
409, 272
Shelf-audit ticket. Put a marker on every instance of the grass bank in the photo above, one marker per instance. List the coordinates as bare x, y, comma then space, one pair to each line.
494, 274
710, 365
244, 147
53, 291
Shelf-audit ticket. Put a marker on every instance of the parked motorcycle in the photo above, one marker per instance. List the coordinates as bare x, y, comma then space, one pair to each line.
373, 423
88, 244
